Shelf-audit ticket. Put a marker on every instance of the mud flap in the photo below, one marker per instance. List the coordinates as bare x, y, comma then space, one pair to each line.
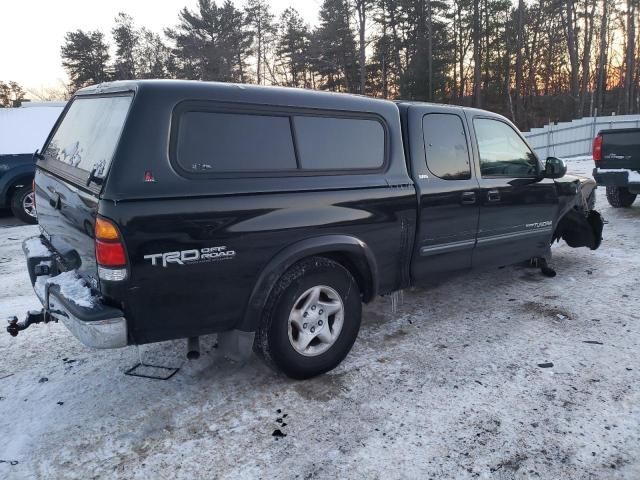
580, 231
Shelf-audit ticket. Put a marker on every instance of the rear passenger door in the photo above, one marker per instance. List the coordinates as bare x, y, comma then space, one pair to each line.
448, 191
517, 207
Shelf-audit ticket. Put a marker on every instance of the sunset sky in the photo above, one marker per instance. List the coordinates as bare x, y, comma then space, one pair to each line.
32, 31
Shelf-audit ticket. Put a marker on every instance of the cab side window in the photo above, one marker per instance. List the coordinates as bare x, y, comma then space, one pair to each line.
445, 145
502, 152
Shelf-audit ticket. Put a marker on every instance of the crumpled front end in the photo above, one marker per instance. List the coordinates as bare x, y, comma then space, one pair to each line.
579, 224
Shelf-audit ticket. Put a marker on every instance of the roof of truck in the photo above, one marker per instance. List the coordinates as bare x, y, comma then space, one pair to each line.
279, 96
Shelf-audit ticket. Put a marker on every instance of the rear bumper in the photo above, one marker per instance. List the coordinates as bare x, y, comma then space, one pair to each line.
66, 298
615, 178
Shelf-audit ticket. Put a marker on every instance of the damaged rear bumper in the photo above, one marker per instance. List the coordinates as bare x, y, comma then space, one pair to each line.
92, 322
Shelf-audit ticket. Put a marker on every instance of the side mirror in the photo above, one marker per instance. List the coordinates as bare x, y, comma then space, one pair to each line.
555, 168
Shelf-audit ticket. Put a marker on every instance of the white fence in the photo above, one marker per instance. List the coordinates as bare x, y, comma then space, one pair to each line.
575, 138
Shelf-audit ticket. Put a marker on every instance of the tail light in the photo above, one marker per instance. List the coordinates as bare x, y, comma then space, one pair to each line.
110, 254
597, 148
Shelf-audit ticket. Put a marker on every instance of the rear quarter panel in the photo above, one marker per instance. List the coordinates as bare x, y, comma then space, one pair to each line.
172, 300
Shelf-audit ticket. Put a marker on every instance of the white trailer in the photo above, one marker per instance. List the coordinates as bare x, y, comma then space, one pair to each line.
24, 129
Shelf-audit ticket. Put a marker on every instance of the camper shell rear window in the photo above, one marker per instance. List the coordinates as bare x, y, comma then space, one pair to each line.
85, 140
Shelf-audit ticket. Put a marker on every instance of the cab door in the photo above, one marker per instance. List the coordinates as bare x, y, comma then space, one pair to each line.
517, 206
448, 191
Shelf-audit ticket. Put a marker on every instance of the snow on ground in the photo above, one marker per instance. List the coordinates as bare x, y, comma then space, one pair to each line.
449, 387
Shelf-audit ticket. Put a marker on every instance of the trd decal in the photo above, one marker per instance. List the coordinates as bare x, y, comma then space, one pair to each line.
186, 257
548, 223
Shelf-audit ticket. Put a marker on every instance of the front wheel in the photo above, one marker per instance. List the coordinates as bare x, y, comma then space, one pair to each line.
311, 319
620, 197
23, 205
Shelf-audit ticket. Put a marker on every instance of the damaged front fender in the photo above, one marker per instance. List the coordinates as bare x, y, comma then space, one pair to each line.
580, 230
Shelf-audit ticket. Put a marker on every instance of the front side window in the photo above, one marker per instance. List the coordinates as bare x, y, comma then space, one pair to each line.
88, 135
215, 142
445, 145
502, 152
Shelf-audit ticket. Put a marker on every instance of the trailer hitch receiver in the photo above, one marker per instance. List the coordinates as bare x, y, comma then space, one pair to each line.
33, 316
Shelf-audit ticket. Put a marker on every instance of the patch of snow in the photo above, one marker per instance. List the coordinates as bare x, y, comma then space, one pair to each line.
581, 158
581, 166
440, 389
39, 286
71, 287
632, 175
35, 248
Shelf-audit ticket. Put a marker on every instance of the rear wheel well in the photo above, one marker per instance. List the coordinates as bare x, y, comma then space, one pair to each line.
358, 268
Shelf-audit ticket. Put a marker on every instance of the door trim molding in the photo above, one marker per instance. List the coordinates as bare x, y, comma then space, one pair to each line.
514, 235
447, 247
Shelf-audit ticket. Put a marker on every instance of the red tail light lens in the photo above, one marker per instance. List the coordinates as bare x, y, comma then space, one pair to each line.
110, 254
109, 248
597, 148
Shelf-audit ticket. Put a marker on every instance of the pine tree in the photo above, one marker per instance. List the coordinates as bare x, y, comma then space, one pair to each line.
152, 56
11, 94
261, 26
334, 55
126, 38
211, 43
292, 50
85, 56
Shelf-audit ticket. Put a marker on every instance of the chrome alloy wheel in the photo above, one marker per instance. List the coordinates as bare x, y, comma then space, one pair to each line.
316, 320
28, 205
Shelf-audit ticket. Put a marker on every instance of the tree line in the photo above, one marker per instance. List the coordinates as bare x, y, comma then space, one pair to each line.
11, 94
534, 61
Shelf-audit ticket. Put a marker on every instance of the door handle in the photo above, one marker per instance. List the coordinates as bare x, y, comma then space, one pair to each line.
468, 198
55, 201
493, 195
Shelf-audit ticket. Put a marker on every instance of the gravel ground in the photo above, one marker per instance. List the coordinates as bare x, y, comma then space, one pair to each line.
501, 374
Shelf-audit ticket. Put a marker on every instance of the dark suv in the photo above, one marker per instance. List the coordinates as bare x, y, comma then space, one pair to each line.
174, 209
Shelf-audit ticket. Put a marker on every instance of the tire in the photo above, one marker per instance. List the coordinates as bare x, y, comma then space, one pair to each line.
620, 197
280, 337
20, 199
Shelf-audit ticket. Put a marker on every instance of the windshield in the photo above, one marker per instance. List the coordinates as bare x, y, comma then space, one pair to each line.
88, 135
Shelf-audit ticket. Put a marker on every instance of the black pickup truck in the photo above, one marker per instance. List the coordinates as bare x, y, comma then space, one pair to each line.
174, 209
616, 154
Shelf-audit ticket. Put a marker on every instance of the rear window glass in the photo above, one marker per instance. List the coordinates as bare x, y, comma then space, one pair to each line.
446, 146
212, 142
88, 135
339, 143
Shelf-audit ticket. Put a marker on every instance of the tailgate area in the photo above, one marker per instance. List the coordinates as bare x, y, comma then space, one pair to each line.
66, 297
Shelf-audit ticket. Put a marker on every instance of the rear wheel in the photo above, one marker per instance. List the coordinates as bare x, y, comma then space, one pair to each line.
23, 205
311, 319
620, 197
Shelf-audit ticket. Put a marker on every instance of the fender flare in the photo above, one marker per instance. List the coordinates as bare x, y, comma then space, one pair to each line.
358, 253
